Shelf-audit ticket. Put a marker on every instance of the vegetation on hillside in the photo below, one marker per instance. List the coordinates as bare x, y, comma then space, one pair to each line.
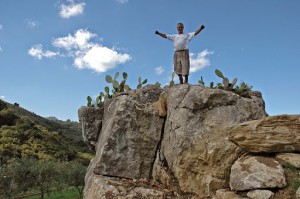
38, 155
21, 137
27, 176
69, 130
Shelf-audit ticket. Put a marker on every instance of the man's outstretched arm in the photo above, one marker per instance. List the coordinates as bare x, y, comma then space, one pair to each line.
199, 30
161, 34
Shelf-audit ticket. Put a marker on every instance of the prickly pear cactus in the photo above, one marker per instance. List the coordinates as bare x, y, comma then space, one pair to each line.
140, 83
89, 101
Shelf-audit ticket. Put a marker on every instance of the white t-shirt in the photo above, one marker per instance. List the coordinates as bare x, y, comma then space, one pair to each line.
181, 41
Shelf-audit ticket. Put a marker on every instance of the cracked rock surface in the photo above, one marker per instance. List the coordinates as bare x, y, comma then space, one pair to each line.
186, 152
194, 148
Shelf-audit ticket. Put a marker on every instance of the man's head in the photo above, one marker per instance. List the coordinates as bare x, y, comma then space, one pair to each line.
180, 28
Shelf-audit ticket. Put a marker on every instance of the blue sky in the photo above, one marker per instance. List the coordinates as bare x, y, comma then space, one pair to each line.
53, 54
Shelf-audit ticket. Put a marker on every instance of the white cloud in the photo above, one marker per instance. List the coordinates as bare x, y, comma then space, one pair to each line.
1, 49
1, 27
72, 9
79, 40
38, 52
159, 70
31, 23
86, 54
122, 1
100, 59
2, 97
200, 60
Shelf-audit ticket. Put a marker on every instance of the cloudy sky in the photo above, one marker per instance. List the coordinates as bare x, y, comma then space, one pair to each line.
53, 54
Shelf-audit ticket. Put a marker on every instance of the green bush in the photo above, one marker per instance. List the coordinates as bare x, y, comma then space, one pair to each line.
74, 173
293, 176
2, 105
7, 117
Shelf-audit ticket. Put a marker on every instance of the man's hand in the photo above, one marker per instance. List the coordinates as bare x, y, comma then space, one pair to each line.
199, 30
161, 34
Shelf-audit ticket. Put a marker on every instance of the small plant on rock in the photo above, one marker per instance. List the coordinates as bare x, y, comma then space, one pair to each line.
118, 87
172, 83
226, 84
106, 95
89, 101
140, 85
293, 176
242, 89
201, 82
99, 99
157, 84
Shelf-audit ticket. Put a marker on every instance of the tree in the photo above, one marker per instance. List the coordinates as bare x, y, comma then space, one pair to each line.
31, 173
24, 171
7, 117
45, 175
74, 173
7, 180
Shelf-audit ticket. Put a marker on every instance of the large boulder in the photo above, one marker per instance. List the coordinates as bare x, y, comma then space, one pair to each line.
129, 139
195, 154
130, 134
177, 136
272, 134
256, 172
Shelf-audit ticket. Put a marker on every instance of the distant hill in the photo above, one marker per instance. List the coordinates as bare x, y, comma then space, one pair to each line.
52, 118
24, 133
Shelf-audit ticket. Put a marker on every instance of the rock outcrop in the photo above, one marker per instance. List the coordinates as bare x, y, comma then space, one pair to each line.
131, 131
266, 135
264, 140
91, 124
194, 148
173, 143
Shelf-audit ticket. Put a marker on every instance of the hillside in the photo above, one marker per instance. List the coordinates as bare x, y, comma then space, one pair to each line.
70, 130
23, 133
